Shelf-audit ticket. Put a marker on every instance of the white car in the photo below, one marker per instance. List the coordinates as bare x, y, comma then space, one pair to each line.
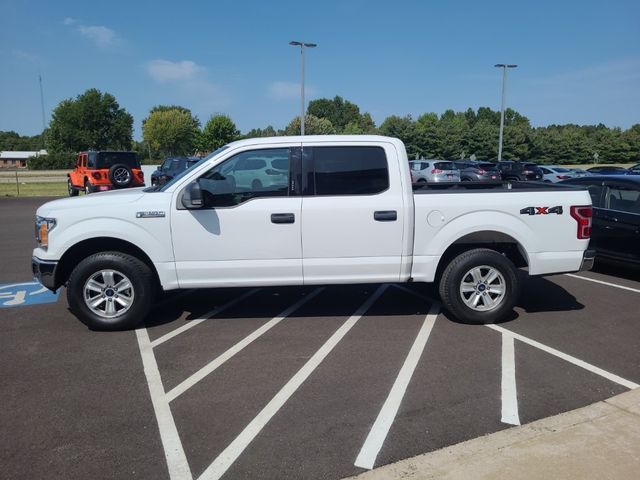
555, 174
344, 212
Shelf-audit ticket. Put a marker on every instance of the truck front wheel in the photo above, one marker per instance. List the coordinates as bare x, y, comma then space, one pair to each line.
480, 286
111, 291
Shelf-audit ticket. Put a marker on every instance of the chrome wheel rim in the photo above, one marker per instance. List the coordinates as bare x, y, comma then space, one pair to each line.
121, 176
483, 288
108, 293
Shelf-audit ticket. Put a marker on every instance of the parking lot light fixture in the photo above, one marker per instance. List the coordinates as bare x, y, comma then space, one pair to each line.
302, 46
504, 67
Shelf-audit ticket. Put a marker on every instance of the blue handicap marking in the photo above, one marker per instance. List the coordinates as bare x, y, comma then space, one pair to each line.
26, 293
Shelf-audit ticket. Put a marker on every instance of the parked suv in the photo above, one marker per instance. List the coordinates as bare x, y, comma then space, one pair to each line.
100, 171
171, 167
471, 170
423, 171
520, 171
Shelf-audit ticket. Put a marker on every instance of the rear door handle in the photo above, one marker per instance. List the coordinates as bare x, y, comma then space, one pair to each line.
385, 216
283, 218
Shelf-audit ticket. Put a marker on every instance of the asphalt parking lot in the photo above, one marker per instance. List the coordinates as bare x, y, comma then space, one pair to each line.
294, 382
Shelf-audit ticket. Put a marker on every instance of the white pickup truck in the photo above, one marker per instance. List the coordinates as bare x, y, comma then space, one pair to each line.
306, 211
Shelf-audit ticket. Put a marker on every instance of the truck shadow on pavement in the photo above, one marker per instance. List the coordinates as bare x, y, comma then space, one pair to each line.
538, 295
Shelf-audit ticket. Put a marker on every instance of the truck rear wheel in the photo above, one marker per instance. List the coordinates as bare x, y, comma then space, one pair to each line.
480, 286
111, 291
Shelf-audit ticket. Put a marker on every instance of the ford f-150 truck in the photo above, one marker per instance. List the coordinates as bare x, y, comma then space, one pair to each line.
306, 211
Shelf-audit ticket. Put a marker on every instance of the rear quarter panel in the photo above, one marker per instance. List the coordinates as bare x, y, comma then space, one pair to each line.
548, 242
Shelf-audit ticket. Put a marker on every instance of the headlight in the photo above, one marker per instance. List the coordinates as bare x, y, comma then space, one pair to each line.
43, 227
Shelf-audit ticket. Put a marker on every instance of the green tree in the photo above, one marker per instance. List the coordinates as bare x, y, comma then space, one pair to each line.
403, 128
93, 120
312, 126
171, 131
218, 131
260, 132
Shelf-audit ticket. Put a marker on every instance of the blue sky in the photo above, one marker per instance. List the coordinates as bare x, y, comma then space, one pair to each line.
579, 62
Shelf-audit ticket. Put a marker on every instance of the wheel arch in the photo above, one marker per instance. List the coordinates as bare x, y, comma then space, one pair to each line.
83, 249
492, 239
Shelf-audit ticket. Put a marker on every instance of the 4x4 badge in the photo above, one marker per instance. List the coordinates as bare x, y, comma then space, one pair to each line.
153, 214
541, 210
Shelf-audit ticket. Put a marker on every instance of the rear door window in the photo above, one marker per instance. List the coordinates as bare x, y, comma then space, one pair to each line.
350, 170
444, 166
623, 199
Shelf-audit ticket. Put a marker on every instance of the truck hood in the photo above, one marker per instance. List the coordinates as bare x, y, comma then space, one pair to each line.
95, 200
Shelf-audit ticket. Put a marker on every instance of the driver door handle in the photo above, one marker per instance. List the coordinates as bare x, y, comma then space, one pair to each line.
283, 218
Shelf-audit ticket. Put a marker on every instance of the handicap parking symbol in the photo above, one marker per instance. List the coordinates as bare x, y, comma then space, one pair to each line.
26, 293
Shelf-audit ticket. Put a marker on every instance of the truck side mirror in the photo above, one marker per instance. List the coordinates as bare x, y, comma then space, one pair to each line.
192, 197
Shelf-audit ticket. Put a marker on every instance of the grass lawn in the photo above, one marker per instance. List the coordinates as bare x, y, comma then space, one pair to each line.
34, 189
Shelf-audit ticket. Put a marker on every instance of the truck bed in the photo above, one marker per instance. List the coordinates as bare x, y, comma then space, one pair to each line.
494, 187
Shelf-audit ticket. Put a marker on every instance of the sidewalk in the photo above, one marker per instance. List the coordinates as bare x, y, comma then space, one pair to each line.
601, 441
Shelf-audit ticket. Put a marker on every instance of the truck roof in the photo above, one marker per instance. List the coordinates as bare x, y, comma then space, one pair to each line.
315, 139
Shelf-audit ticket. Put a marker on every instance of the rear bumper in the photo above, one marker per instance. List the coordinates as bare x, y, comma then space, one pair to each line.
45, 272
588, 258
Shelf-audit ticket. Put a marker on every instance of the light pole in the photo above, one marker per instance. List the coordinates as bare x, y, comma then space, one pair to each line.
504, 67
302, 45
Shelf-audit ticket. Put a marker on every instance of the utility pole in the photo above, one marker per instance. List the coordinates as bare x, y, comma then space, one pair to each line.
504, 67
302, 46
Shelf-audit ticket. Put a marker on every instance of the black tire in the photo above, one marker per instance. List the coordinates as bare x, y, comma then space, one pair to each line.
256, 185
421, 180
120, 175
138, 291
87, 187
73, 191
482, 261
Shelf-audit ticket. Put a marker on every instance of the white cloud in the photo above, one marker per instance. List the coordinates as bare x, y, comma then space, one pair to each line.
288, 90
102, 36
164, 71
189, 80
23, 55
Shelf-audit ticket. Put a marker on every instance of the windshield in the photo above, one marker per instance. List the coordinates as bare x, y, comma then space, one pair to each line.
184, 172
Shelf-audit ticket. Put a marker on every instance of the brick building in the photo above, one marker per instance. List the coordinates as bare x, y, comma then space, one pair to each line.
17, 159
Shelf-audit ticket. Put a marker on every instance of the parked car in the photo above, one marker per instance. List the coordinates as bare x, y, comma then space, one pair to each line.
634, 170
519, 171
171, 167
344, 215
471, 170
615, 232
608, 170
104, 170
555, 174
579, 172
434, 171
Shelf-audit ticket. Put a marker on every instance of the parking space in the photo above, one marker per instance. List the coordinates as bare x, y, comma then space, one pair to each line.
295, 382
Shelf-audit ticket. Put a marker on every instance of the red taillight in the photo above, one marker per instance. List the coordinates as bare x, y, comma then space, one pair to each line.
583, 215
562, 177
481, 171
527, 172
436, 170
96, 175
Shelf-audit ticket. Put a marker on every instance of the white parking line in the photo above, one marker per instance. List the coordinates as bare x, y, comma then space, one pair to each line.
580, 363
508, 384
221, 359
174, 452
378, 433
206, 316
622, 287
230, 454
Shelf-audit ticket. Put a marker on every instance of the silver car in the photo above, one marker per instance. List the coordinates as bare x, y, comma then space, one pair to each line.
433, 171
554, 174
